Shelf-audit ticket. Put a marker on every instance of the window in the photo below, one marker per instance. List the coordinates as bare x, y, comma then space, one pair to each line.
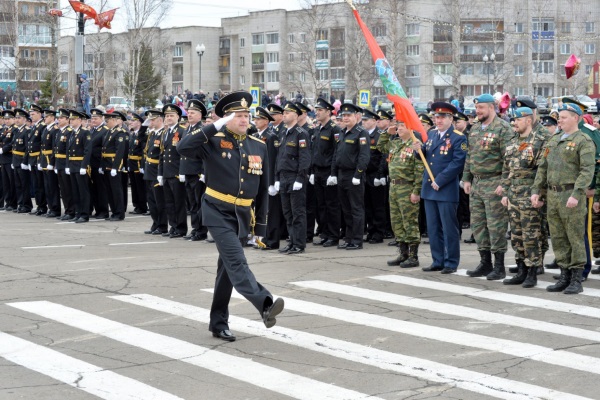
543, 67
272, 38
177, 51
290, 76
26, 75
443, 69
291, 38
303, 38
322, 34
470, 49
40, 10
412, 29
258, 39
89, 58
302, 76
415, 92
242, 79
468, 90
412, 50
25, 53
519, 49
322, 54
380, 30
24, 9
589, 27
242, 42
565, 27
590, 48
467, 69
64, 60
519, 27
338, 73
115, 75
338, 54
302, 56
64, 76
291, 57
562, 70
273, 76
519, 91
565, 48
588, 69
258, 58
323, 74
543, 24
412, 71
123, 58
242, 61
41, 54
543, 46
519, 70
272, 57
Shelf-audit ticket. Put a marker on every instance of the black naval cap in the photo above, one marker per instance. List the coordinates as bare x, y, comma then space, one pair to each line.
302, 107
116, 114
63, 112
8, 114
184, 118
19, 112
135, 116
349, 108
441, 107
36, 108
526, 103
367, 114
549, 121
198, 106
74, 114
262, 113
322, 103
151, 114
426, 119
289, 106
460, 117
96, 112
48, 112
172, 108
274, 109
384, 115
236, 101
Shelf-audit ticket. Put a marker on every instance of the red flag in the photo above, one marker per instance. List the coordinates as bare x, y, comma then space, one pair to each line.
405, 112
83, 8
104, 19
572, 66
55, 13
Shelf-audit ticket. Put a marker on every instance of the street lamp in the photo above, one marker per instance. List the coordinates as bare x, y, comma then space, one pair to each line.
200, 51
491, 59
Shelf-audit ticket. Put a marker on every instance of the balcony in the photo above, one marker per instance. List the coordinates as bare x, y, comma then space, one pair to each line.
338, 63
34, 63
224, 68
542, 56
479, 58
178, 60
442, 58
482, 37
223, 51
322, 45
177, 78
442, 37
258, 67
322, 64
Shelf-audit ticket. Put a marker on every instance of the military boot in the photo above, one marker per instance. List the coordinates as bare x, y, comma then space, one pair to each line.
515, 269
552, 265
531, 280
499, 272
519, 277
563, 281
413, 257
485, 265
575, 284
402, 255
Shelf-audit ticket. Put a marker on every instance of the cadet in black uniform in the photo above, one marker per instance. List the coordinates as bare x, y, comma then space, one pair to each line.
312, 215
46, 163
323, 177
293, 162
113, 153
20, 163
351, 160
384, 122
33, 158
135, 163
276, 112
154, 192
60, 163
78, 160
236, 179
98, 191
8, 178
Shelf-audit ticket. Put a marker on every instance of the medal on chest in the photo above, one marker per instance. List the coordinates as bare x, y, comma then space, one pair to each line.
487, 140
255, 165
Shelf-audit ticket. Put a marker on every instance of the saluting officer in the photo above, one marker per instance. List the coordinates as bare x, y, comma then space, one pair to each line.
98, 190
375, 182
350, 162
20, 162
33, 157
135, 163
78, 160
46, 164
236, 179
114, 148
60, 163
154, 192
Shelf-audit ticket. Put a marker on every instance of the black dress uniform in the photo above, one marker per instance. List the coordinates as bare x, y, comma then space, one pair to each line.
168, 168
293, 162
154, 192
236, 179
351, 160
8, 178
34, 155
328, 205
78, 158
22, 175
60, 164
46, 161
375, 194
114, 147
311, 200
98, 190
135, 165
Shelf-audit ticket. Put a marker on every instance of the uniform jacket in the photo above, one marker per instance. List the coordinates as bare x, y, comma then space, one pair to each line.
272, 141
114, 148
6, 138
293, 155
19, 146
404, 163
47, 145
137, 143
78, 151
594, 134
352, 153
98, 135
60, 147
168, 166
377, 161
34, 142
152, 154
323, 149
189, 165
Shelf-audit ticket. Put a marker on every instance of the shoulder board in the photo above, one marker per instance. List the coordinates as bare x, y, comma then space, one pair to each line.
459, 132
301, 129
257, 139
590, 127
69, 129
220, 134
332, 124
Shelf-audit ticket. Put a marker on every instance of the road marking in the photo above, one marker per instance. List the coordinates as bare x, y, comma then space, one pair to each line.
452, 309
407, 365
100, 260
135, 243
79, 374
518, 349
54, 247
239, 368
493, 295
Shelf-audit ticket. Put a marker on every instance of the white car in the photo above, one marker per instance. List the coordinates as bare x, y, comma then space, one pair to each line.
588, 102
118, 103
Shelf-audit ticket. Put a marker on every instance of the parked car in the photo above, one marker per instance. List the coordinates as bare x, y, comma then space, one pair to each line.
118, 103
589, 103
383, 103
543, 105
420, 107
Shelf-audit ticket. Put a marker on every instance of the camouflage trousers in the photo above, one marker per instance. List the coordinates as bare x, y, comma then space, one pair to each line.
525, 227
404, 214
567, 228
489, 219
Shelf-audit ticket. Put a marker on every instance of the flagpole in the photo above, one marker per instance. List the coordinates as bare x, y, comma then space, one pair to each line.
414, 138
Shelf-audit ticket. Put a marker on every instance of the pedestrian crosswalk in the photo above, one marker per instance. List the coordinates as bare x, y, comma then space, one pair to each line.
378, 337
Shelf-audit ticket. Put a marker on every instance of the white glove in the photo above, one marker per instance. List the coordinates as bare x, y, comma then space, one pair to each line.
141, 170
68, 171
124, 170
40, 167
29, 167
461, 184
23, 166
113, 172
355, 181
376, 182
160, 180
220, 123
272, 191
82, 171
383, 181
311, 179
100, 171
297, 186
332, 181
12, 166
1, 150
182, 178
50, 167
276, 186
202, 178
56, 171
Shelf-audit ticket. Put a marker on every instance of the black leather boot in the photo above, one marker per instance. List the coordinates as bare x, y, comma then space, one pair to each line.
402, 255
519, 277
413, 257
563, 281
531, 279
498, 272
515, 269
552, 265
485, 265
575, 284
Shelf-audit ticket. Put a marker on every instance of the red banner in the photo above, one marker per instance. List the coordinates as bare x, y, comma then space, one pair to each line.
83, 8
104, 19
55, 13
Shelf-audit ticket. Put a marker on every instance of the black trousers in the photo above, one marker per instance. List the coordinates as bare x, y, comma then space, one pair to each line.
52, 192
81, 194
276, 226
422, 218
156, 205
375, 210
8, 185
138, 191
99, 193
194, 189
293, 203
124, 186
37, 178
23, 188
352, 198
114, 186
175, 204
328, 207
66, 192
233, 272
311, 211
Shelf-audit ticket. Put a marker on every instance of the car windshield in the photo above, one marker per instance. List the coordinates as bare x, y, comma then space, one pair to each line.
117, 100
421, 105
583, 97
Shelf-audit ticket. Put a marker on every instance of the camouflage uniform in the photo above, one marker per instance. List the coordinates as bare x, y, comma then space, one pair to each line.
483, 168
406, 178
566, 170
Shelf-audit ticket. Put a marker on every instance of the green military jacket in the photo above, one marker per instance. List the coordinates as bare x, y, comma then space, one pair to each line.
404, 162
486, 149
594, 134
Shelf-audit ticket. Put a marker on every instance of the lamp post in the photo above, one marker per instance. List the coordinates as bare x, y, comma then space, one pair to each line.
200, 51
487, 59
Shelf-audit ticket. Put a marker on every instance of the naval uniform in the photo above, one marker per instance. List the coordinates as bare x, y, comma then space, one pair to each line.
46, 159
8, 177
114, 147
34, 155
98, 190
78, 157
60, 164
193, 170
173, 188
375, 195
22, 176
135, 162
154, 192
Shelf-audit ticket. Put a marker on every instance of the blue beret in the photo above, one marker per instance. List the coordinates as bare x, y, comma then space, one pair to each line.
484, 98
523, 112
570, 107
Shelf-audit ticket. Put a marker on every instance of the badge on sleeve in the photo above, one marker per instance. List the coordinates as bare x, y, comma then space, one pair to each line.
363, 141
463, 146
302, 143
